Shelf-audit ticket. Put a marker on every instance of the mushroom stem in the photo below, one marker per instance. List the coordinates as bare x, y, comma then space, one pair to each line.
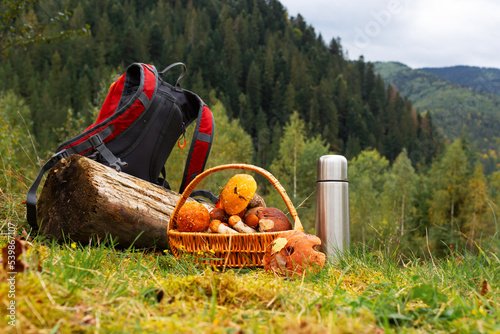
236, 223
217, 227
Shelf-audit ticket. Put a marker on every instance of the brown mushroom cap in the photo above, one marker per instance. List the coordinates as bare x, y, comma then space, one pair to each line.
214, 225
218, 214
273, 220
252, 220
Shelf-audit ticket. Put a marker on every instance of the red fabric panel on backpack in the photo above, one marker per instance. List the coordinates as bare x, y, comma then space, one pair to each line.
111, 103
134, 111
206, 121
200, 150
112, 99
149, 82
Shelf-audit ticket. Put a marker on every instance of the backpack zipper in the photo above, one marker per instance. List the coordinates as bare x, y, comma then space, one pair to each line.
181, 146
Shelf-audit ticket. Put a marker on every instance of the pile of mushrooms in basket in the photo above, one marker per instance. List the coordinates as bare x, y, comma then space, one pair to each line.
241, 210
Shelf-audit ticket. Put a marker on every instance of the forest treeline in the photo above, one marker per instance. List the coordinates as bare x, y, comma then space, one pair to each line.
282, 97
261, 64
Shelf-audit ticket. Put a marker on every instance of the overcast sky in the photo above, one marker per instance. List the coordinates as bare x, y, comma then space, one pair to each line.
418, 33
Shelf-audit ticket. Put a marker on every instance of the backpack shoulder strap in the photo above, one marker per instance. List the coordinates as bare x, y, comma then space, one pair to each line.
95, 142
31, 196
200, 147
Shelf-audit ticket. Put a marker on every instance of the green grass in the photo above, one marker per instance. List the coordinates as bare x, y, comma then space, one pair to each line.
70, 288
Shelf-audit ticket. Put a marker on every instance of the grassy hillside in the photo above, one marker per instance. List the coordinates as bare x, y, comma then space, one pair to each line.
454, 108
483, 79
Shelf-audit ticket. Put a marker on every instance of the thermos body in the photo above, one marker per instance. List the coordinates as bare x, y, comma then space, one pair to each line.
332, 204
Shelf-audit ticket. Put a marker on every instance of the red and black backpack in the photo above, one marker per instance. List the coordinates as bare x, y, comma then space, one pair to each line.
138, 125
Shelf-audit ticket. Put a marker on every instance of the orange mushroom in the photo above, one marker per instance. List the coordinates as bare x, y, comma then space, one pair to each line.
237, 193
292, 253
193, 217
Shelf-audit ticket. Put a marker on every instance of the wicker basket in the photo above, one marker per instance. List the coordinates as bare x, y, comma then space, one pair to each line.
226, 250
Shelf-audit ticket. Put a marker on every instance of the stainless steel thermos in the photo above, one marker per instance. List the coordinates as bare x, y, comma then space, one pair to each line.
332, 204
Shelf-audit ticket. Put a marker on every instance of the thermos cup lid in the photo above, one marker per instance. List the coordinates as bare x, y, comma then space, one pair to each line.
332, 168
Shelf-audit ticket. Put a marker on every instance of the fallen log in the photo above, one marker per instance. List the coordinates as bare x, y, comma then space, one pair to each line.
82, 199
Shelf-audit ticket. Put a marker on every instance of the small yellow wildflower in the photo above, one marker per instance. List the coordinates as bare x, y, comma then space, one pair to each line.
73, 245
165, 251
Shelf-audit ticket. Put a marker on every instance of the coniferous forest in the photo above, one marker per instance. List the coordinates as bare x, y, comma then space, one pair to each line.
282, 97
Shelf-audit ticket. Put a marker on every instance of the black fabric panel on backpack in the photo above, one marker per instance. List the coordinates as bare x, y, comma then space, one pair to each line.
132, 85
136, 144
189, 102
165, 142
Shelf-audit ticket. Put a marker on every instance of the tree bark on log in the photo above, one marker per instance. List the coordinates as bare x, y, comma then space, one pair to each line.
82, 199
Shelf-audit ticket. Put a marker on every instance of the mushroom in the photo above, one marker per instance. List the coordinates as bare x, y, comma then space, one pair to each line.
218, 214
267, 219
237, 193
256, 201
218, 227
193, 217
251, 219
274, 220
292, 253
236, 223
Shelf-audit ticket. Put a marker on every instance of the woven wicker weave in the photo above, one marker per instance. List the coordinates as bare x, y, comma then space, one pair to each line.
226, 250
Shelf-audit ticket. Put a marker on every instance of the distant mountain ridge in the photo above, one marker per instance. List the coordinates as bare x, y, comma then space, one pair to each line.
483, 79
456, 108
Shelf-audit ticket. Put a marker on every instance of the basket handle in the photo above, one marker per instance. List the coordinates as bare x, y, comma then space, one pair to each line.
192, 185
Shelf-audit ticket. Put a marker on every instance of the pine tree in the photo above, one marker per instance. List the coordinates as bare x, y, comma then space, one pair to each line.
253, 86
268, 78
231, 50
263, 139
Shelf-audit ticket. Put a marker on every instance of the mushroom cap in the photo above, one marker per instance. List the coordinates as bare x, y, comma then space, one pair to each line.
292, 253
218, 214
237, 193
273, 220
193, 217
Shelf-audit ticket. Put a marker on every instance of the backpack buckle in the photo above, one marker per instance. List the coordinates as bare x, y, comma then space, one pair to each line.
96, 141
59, 156
105, 153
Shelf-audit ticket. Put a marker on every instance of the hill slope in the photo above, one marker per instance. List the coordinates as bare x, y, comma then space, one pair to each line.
486, 80
455, 109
